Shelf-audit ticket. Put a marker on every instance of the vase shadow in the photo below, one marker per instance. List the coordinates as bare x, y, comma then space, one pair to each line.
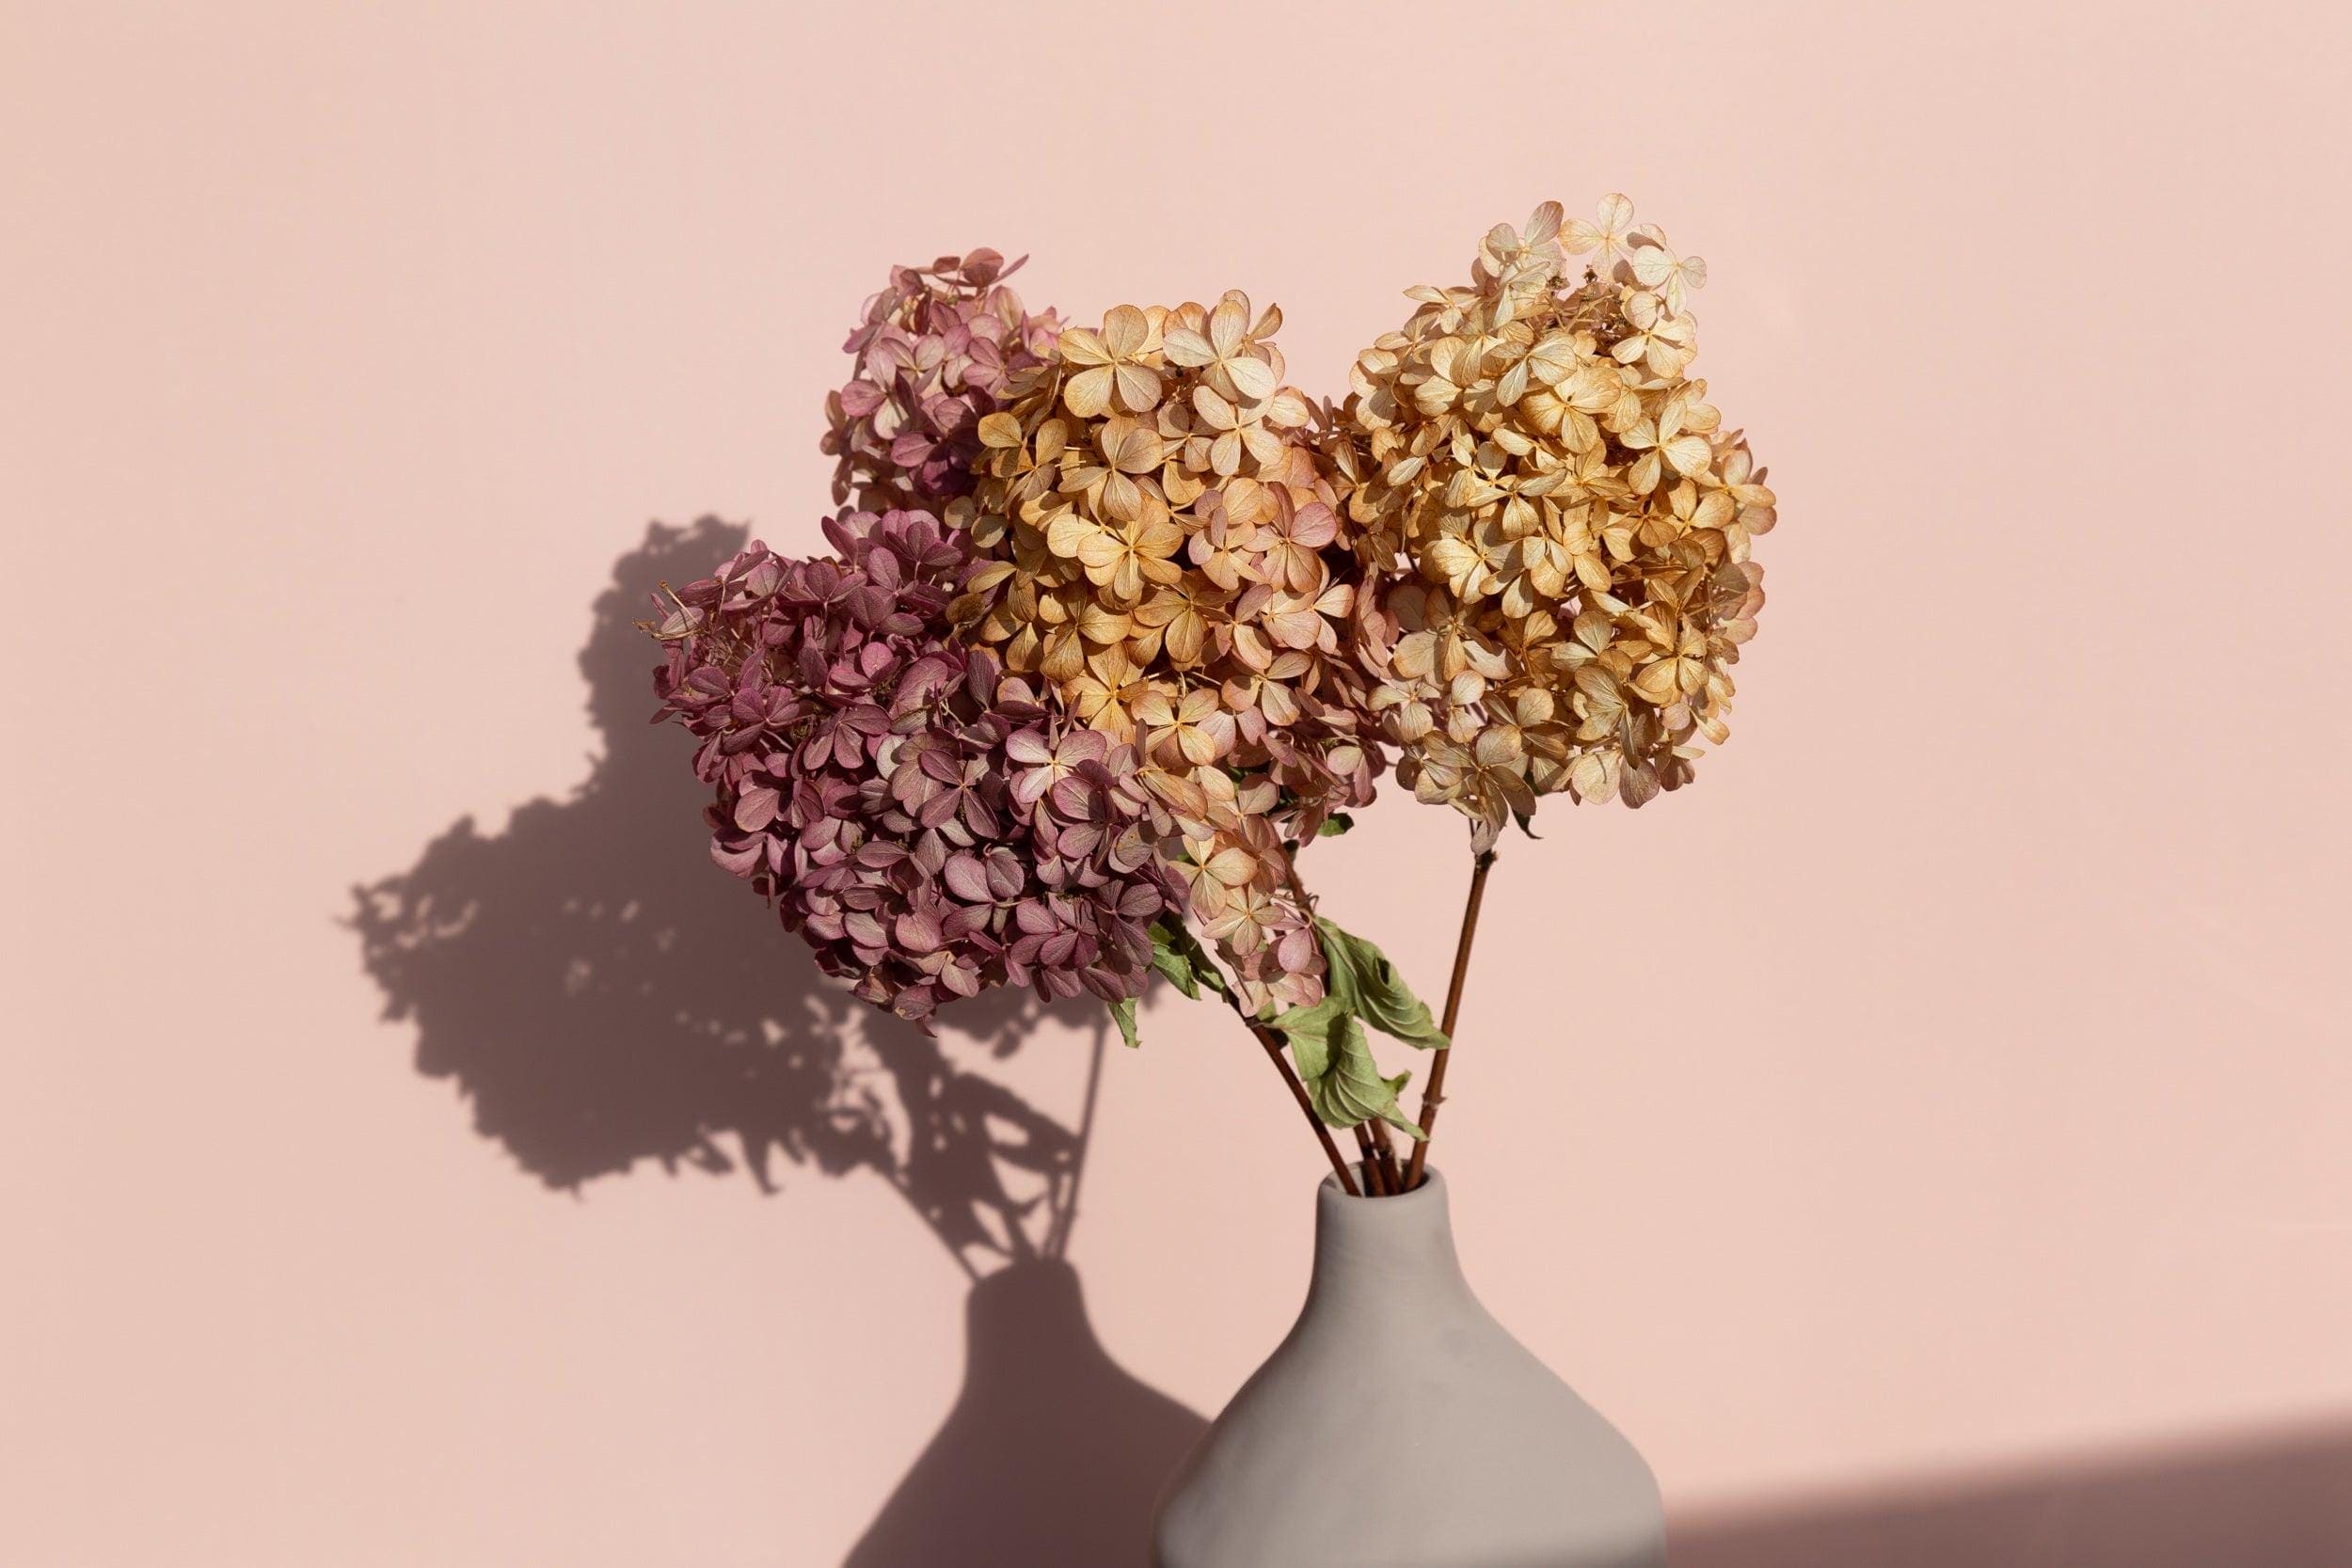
1052, 1455
2284, 1500
602, 996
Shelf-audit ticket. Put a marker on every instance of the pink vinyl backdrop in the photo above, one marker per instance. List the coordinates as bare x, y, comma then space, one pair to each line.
1953, 1083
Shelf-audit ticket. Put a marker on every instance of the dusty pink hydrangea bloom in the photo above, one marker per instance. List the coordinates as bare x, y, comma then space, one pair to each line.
936, 351
928, 825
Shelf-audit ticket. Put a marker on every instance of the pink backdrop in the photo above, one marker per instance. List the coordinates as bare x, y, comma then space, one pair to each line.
1999, 1136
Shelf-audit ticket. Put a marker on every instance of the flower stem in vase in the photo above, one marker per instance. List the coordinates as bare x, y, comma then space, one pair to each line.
1433, 1094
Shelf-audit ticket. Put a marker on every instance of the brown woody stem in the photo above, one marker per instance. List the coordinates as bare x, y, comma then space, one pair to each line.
1376, 1179
1433, 1094
1390, 1176
1282, 1061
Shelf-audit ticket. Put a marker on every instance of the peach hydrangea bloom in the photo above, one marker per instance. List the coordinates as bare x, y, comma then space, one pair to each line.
1168, 552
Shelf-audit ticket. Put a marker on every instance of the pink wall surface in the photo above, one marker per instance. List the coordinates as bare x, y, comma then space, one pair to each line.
1954, 1084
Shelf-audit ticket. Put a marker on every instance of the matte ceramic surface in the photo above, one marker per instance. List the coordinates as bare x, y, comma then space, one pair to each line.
1400, 1426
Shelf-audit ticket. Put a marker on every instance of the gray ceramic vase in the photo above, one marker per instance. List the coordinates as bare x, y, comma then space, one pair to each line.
1400, 1426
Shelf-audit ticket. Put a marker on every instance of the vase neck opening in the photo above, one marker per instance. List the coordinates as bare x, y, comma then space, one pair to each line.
1365, 1245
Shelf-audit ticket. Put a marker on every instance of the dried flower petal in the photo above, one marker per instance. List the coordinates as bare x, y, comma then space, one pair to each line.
931, 827
1169, 554
1553, 527
936, 353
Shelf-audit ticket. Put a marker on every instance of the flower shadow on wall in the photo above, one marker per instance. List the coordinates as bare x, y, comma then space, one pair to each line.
602, 996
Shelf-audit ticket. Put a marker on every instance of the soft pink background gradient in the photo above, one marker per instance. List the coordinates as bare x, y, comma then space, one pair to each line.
1955, 1081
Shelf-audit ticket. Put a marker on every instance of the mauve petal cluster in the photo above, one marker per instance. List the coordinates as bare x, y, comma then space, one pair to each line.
936, 351
927, 824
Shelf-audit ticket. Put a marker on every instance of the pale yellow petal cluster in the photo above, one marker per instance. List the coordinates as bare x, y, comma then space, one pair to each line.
1553, 523
1168, 553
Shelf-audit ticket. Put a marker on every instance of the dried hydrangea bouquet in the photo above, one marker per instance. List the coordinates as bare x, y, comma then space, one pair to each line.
1116, 622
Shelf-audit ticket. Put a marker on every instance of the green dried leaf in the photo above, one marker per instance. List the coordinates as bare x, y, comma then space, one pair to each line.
1307, 1031
1335, 1062
1124, 1014
1179, 955
1367, 984
1334, 825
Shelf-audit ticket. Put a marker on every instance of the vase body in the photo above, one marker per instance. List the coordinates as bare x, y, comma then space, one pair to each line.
1400, 1426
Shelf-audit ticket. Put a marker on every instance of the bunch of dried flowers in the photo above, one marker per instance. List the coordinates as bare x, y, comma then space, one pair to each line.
937, 350
1554, 523
1166, 554
1125, 620
931, 827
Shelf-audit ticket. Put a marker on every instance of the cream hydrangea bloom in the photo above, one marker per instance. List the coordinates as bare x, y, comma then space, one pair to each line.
1553, 524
